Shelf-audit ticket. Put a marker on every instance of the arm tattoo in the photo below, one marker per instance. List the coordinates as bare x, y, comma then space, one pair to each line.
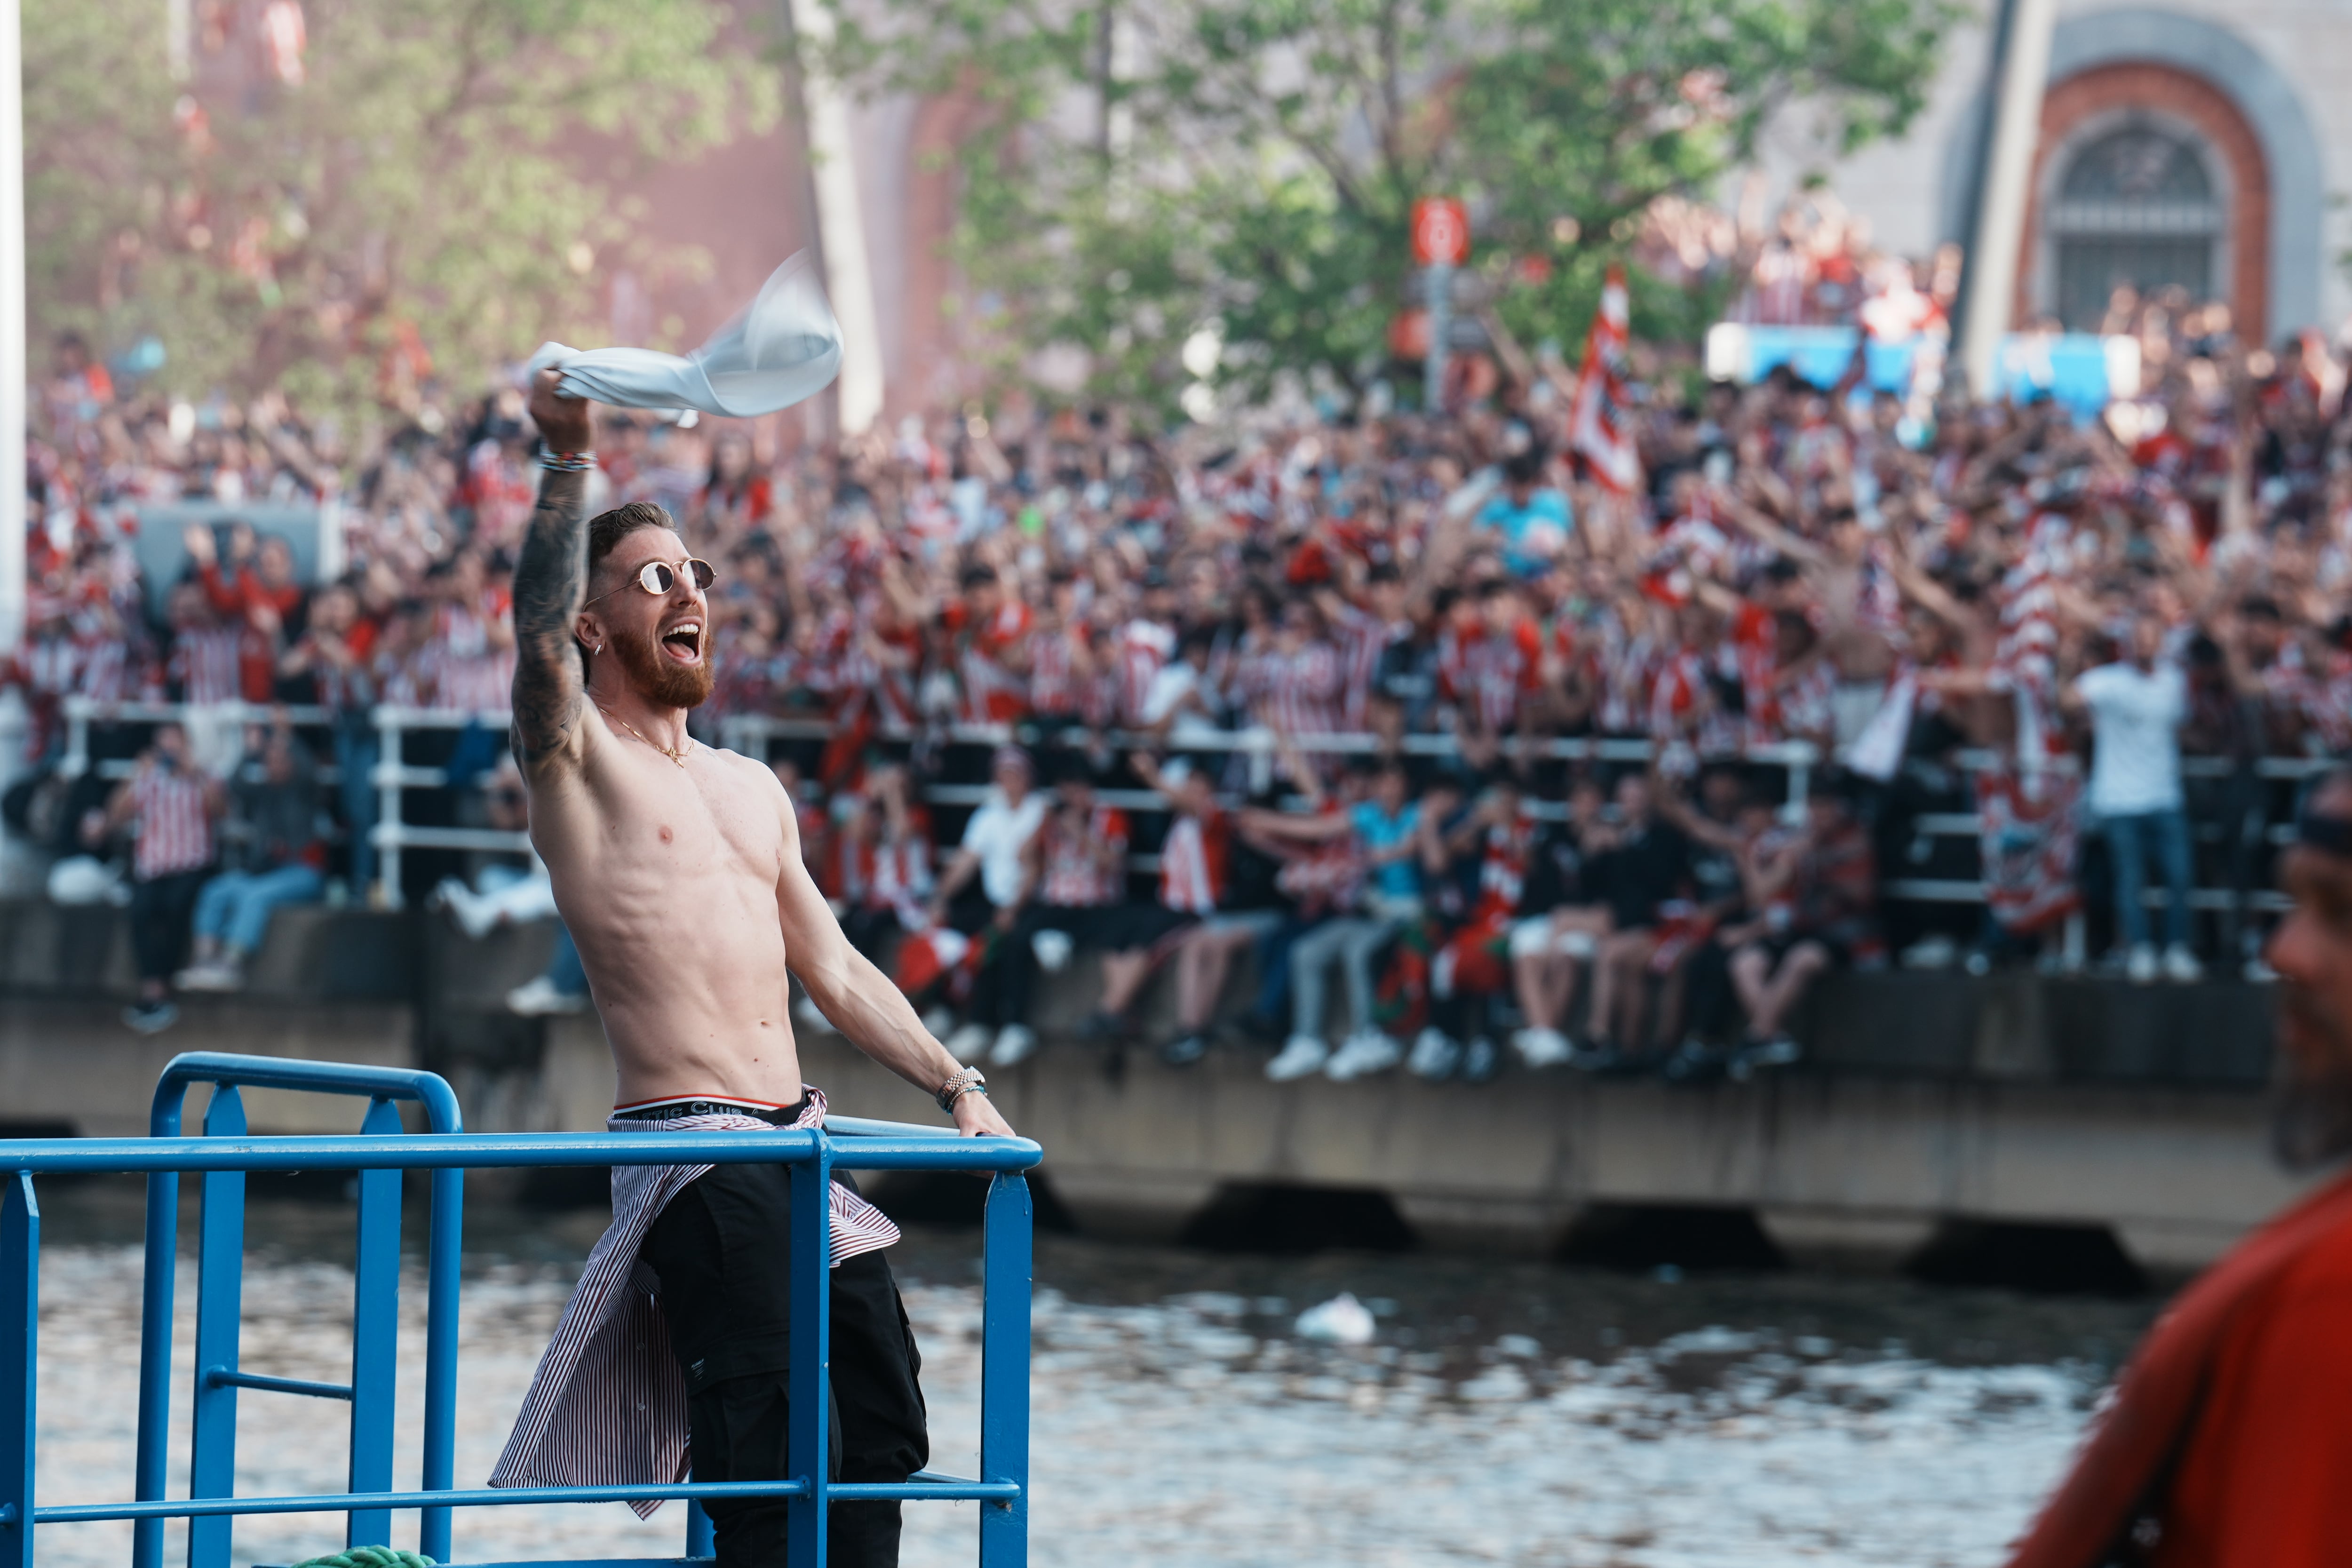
549, 581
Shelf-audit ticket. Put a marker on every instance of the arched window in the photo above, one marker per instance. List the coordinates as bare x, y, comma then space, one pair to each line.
2136, 205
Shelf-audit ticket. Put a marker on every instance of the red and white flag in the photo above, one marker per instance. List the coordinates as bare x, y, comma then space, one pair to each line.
1599, 427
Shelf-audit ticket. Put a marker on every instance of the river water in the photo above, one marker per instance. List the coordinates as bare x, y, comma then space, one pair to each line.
1504, 1414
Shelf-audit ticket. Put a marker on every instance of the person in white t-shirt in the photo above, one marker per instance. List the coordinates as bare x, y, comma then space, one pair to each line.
2136, 705
992, 853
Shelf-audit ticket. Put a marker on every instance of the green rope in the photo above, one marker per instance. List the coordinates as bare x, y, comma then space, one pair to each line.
368, 1557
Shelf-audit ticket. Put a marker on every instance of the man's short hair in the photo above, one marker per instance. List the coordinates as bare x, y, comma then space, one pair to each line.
607, 528
977, 577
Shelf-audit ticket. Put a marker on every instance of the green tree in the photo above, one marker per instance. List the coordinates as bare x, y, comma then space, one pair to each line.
1249, 165
435, 183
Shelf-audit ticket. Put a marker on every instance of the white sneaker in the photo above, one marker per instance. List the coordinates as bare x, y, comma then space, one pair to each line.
1933, 951
1543, 1047
2258, 971
811, 1016
1434, 1055
1301, 1055
2180, 965
2141, 965
477, 916
1363, 1054
968, 1042
1015, 1042
538, 999
218, 976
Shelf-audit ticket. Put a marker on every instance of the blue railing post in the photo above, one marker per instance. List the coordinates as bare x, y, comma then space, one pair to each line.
1005, 1232
702, 1537
153, 1454
220, 1306
376, 1336
442, 1253
20, 1323
811, 1358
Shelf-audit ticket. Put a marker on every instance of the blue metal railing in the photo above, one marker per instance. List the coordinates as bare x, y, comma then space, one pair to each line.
224, 1154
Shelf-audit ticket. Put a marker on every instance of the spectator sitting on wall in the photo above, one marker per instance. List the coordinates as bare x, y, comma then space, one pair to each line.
276, 856
1723, 824
1135, 937
169, 806
1645, 864
1486, 856
2137, 703
1196, 880
1563, 919
1815, 892
1076, 872
1383, 890
981, 895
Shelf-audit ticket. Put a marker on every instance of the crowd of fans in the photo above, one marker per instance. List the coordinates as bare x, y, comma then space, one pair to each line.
1418, 625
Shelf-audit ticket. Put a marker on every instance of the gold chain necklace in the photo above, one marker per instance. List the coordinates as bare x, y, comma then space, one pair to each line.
678, 756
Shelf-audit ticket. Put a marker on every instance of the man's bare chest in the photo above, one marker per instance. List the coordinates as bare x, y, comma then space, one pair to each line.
699, 820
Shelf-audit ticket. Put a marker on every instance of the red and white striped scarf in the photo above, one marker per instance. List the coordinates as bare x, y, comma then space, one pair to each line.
607, 1407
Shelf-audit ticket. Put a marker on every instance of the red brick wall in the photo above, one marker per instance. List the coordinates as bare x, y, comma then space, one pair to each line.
2141, 85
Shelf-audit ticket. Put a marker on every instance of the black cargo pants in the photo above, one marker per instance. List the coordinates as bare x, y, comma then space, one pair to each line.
722, 1252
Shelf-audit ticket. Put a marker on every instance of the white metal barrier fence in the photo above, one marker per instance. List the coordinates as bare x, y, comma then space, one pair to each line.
751, 734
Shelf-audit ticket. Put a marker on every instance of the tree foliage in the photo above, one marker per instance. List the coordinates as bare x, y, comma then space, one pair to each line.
1250, 165
436, 184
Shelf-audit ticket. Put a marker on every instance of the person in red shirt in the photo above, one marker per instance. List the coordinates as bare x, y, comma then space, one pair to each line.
2230, 1433
990, 627
257, 591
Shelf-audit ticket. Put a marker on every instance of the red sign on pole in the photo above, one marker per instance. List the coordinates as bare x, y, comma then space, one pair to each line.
1441, 232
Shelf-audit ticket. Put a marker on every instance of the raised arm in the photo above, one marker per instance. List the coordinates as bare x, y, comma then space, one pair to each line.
1770, 534
551, 580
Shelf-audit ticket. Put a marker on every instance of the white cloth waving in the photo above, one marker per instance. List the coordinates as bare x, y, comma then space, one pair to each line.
783, 347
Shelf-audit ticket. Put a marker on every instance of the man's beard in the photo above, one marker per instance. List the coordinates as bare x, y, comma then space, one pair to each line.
658, 679
2311, 1112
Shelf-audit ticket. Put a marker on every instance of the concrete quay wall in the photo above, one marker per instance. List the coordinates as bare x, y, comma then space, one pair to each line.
1928, 1100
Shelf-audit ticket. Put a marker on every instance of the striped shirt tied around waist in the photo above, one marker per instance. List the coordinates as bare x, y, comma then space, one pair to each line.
607, 1407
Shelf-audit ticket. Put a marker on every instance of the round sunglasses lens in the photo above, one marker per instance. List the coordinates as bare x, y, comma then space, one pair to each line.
704, 573
656, 578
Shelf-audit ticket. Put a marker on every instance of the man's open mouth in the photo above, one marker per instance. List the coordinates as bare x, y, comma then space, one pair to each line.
683, 642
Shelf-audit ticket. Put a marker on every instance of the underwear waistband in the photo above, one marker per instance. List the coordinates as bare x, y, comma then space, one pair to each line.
713, 1105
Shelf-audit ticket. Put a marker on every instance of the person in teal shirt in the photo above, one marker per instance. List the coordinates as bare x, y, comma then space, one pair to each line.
1534, 518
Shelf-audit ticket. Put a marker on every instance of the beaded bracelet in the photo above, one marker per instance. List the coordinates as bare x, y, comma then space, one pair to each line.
567, 462
968, 1081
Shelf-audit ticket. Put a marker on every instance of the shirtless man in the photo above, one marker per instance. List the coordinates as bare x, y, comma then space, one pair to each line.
678, 870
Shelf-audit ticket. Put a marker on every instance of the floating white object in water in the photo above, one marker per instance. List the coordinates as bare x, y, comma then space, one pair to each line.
1341, 1321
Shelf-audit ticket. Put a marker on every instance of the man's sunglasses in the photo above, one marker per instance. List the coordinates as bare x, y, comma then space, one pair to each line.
659, 577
